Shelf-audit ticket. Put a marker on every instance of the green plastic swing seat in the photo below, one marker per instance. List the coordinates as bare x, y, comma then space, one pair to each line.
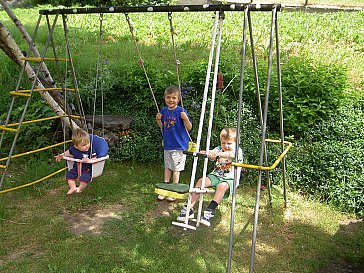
175, 190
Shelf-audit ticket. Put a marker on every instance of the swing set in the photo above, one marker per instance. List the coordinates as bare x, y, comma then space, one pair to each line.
65, 115
182, 191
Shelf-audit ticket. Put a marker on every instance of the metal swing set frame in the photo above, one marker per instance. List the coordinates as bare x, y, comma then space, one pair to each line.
219, 11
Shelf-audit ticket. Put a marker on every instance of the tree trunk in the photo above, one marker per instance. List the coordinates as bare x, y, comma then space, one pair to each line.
47, 81
10, 47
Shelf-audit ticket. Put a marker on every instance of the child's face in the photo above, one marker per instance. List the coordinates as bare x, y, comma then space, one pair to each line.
83, 146
228, 144
171, 100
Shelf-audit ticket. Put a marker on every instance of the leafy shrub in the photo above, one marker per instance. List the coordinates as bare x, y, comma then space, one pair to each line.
143, 144
328, 162
312, 92
33, 135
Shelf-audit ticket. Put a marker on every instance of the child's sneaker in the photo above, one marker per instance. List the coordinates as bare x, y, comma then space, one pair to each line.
182, 215
161, 197
207, 216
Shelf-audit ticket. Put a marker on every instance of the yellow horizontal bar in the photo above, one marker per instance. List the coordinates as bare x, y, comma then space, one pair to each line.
14, 93
42, 119
32, 183
269, 168
46, 59
35, 151
45, 89
8, 129
3, 167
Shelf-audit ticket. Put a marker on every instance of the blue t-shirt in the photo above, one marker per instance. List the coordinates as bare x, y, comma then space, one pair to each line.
175, 134
99, 146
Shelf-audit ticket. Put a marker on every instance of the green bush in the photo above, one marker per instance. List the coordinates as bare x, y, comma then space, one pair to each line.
33, 135
328, 162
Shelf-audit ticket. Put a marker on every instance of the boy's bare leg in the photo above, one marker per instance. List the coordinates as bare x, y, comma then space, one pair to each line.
81, 187
176, 176
72, 185
220, 192
167, 175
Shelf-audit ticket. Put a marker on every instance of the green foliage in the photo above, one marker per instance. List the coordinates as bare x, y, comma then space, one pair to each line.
312, 93
33, 135
143, 144
317, 65
328, 162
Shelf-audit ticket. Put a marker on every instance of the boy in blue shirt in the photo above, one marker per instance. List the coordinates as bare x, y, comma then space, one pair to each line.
175, 124
80, 149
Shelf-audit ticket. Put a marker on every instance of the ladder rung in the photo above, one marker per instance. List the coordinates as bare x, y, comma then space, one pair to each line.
46, 59
43, 119
8, 129
22, 94
3, 167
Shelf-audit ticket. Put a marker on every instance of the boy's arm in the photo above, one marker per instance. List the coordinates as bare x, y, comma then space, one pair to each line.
158, 119
101, 148
186, 121
214, 154
60, 156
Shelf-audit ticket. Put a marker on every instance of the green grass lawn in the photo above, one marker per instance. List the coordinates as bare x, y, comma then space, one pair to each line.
116, 225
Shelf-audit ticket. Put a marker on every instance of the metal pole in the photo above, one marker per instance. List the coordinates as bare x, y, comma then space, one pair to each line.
262, 147
212, 106
242, 70
279, 75
27, 102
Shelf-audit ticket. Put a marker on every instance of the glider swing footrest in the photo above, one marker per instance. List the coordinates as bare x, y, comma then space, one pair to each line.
175, 190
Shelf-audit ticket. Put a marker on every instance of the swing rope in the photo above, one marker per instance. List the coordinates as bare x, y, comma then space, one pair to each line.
98, 164
141, 61
97, 79
177, 62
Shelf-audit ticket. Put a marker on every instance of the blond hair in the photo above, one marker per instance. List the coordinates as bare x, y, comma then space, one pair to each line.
172, 89
80, 136
228, 133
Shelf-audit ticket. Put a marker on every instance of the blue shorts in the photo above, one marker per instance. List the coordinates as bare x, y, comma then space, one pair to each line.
85, 175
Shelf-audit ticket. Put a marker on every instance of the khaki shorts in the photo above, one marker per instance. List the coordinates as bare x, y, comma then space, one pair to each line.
174, 160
